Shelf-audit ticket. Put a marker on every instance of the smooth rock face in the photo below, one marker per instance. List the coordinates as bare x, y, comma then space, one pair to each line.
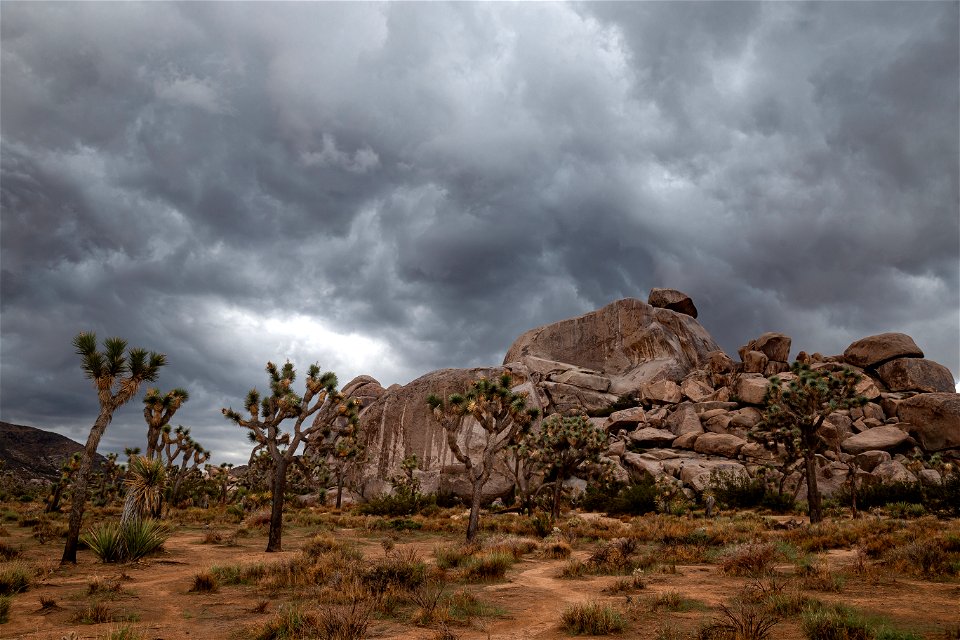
934, 419
751, 388
880, 439
673, 300
874, 350
627, 339
583, 379
696, 390
916, 374
400, 423
650, 437
719, 444
776, 346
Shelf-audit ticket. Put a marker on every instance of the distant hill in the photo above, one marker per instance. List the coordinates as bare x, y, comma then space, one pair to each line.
35, 454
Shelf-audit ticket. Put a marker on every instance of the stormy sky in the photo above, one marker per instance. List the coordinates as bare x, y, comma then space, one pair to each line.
389, 189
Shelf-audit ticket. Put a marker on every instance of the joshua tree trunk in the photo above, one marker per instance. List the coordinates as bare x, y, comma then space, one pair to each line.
54, 504
82, 483
339, 488
555, 508
813, 491
276, 511
474, 523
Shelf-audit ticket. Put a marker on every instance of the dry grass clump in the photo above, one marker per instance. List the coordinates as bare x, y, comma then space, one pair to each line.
96, 612
674, 601
14, 578
927, 558
486, 567
8, 552
289, 623
205, 582
593, 619
517, 546
451, 557
320, 544
751, 559
556, 549
5, 609
819, 577
104, 587
740, 621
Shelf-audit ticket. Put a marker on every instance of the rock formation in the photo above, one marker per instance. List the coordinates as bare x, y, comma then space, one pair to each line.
675, 405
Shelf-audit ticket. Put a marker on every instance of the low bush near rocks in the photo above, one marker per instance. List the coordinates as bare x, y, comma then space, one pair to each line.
751, 560
14, 578
592, 619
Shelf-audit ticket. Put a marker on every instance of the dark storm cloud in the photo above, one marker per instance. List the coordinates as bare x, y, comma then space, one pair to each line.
390, 189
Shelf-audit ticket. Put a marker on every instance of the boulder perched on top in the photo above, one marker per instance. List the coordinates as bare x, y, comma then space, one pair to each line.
776, 346
875, 350
934, 419
628, 341
916, 374
672, 299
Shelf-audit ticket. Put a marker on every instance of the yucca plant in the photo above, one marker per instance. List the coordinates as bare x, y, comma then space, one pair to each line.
128, 541
145, 482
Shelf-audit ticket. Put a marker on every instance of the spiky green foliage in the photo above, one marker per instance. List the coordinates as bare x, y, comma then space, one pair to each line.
503, 417
329, 410
794, 412
158, 409
561, 447
132, 540
14, 578
145, 481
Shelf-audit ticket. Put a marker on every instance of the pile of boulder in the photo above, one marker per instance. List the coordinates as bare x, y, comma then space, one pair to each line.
684, 407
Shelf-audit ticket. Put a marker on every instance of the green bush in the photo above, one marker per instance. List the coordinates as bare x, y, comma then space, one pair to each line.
592, 619
137, 538
14, 578
487, 566
617, 499
835, 623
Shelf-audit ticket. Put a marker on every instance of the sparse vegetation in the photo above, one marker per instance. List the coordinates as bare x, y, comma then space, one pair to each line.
592, 619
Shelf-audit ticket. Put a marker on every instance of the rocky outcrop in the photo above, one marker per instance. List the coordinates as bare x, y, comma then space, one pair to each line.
915, 374
934, 419
673, 300
629, 341
875, 350
685, 408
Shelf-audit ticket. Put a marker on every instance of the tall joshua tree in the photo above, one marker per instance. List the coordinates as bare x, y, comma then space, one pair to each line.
502, 416
793, 414
158, 409
320, 400
117, 374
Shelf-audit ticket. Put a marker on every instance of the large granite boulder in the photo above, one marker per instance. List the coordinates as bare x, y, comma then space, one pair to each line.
916, 374
934, 419
775, 346
672, 299
628, 341
875, 350
879, 439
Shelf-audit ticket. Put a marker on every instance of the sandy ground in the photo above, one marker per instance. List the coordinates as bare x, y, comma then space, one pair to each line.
156, 597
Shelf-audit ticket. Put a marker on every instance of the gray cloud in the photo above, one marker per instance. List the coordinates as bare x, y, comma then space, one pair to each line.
389, 189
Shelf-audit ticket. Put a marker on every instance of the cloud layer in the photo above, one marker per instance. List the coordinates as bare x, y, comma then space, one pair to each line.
390, 189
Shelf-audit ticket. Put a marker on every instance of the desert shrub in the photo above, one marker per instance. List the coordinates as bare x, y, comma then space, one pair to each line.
102, 587
592, 619
789, 604
575, 569
754, 559
819, 578
675, 601
487, 566
95, 613
737, 491
462, 606
617, 499
238, 574
130, 541
624, 585
5, 609
451, 557
320, 544
8, 552
556, 550
345, 622
404, 571
928, 558
882, 494
401, 503
741, 621
205, 582
124, 633
14, 578
836, 622
290, 622
516, 546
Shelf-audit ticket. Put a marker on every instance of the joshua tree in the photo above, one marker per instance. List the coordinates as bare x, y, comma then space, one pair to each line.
67, 471
502, 416
793, 415
184, 455
339, 446
321, 400
563, 445
157, 410
117, 375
